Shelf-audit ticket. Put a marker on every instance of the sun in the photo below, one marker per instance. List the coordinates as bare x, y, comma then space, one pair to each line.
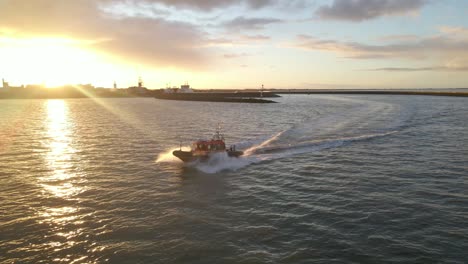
49, 61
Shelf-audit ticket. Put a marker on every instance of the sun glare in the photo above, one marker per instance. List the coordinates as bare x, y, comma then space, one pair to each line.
52, 62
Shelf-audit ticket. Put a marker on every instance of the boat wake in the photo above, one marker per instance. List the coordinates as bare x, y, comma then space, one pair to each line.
264, 152
221, 162
316, 132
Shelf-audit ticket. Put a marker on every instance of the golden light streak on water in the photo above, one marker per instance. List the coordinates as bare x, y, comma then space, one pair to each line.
128, 117
59, 216
60, 182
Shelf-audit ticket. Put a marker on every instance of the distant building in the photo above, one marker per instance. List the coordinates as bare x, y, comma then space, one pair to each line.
87, 86
183, 89
6, 86
140, 89
34, 86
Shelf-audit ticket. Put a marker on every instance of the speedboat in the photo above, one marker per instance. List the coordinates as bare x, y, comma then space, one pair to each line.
201, 150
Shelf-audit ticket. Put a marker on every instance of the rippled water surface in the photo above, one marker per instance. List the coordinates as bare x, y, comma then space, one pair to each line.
325, 179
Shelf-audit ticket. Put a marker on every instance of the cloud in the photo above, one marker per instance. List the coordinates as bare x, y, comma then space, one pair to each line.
141, 40
208, 5
398, 38
420, 69
448, 47
220, 42
244, 23
421, 48
460, 32
360, 10
237, 40
254, 38
235, 55
140, 32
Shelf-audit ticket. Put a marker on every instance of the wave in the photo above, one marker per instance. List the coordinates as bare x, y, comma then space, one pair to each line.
363, 120
263, 152
221, 162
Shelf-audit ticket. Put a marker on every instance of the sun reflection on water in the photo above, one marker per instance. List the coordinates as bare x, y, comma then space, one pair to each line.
62, 181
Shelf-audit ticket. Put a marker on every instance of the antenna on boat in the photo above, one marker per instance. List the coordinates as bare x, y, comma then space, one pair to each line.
218, 135
180, 143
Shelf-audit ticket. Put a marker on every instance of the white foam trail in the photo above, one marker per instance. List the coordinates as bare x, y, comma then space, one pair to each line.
221, 161
262, 152
311, 146
252, 149
311, 135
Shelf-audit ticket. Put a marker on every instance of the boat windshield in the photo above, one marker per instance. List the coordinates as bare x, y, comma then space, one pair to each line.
209, 145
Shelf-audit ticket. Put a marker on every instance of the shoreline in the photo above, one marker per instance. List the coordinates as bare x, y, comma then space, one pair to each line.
216, 97
244, 94
379, 92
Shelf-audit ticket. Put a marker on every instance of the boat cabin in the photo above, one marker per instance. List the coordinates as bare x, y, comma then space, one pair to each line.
208, 145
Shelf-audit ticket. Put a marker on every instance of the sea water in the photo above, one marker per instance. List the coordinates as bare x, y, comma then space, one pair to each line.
324, 179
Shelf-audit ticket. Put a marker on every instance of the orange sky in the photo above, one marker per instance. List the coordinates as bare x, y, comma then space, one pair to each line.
236, 44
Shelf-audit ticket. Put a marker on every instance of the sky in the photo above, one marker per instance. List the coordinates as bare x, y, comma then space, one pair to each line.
231, 44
